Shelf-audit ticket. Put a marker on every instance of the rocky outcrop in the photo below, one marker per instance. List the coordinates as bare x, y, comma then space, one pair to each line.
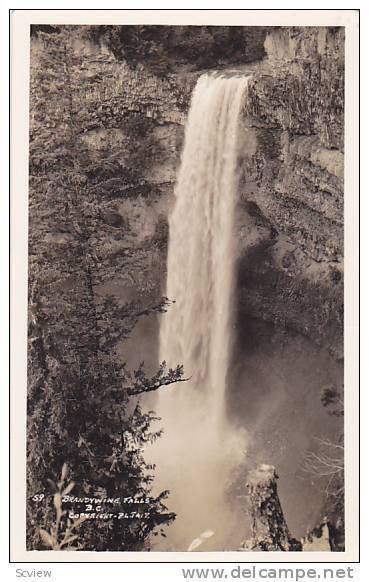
270, 532
128, 91
292, 186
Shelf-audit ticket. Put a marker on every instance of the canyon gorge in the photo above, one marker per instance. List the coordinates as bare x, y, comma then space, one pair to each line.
286, 300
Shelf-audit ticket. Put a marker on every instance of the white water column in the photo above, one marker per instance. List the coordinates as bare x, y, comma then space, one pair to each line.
199, 450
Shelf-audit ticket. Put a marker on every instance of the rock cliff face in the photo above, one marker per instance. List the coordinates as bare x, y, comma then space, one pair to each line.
139, 122
292, 186
290, 269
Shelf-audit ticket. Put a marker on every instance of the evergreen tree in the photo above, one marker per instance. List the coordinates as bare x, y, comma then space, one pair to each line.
83, 402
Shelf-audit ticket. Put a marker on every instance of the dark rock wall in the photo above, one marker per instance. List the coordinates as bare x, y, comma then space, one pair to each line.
139, 122
290, 268
292, 186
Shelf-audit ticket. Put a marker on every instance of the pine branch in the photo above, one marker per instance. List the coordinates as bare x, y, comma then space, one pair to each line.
134, 391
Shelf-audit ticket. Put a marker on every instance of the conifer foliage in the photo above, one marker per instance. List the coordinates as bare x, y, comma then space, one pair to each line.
83, 402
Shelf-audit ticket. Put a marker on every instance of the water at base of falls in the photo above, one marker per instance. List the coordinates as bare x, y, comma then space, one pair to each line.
199, 450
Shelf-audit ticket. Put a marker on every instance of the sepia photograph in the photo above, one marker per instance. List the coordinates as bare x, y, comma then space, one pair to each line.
185, 278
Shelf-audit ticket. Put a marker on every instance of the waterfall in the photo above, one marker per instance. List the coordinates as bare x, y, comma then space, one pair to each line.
199, 449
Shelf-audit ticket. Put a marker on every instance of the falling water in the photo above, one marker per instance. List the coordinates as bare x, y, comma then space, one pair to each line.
199, 449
